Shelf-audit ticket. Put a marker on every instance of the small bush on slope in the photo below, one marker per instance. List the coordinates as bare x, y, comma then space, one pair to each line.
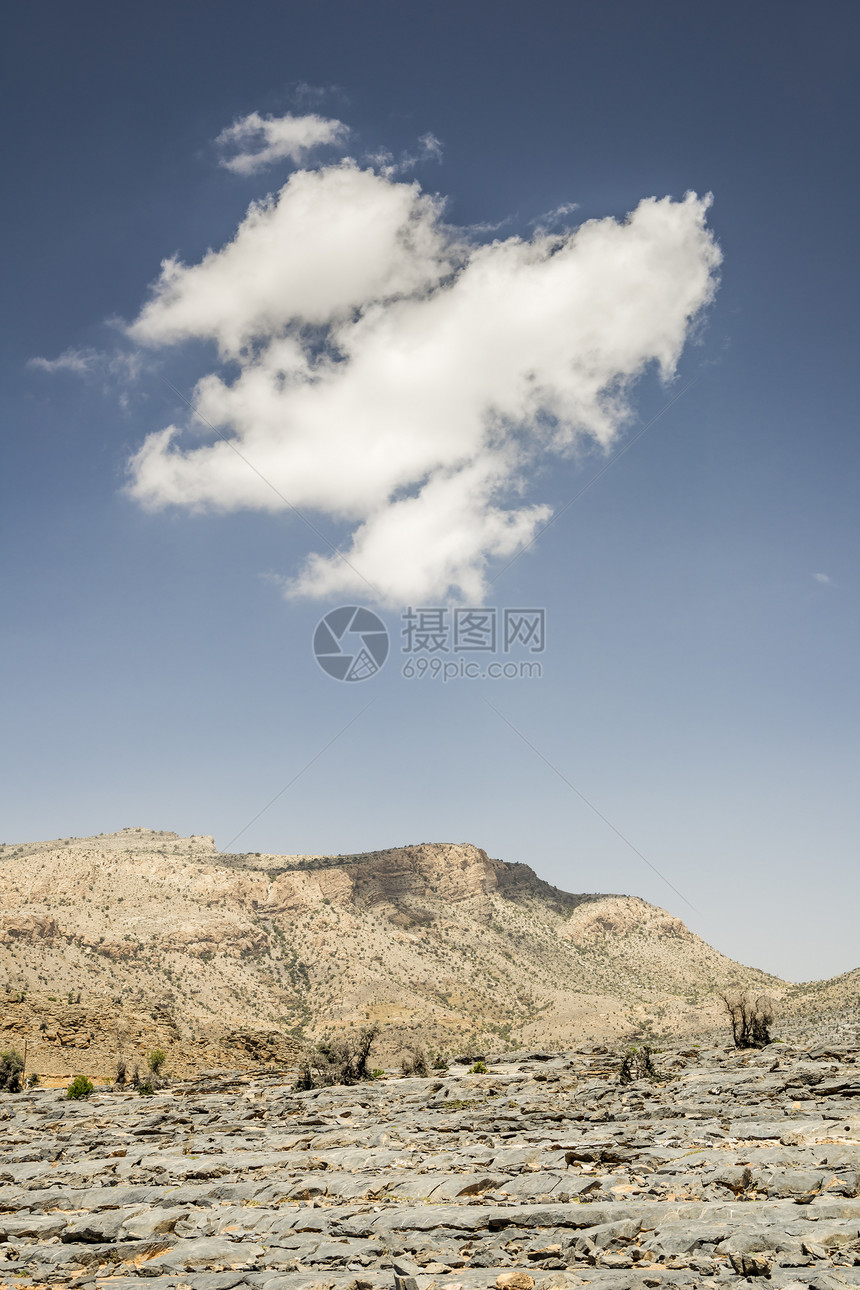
79, 1087
11, 1066
414, 1061
637, 1064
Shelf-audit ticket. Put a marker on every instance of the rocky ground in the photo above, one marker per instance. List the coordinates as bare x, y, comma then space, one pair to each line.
545, 1170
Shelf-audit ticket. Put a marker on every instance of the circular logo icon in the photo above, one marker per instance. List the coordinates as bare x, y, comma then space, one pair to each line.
351, 643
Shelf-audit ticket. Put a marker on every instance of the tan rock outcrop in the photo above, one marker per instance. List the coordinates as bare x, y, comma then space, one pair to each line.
28, 927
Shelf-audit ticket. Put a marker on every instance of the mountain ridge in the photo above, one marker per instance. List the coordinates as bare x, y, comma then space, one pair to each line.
436, 939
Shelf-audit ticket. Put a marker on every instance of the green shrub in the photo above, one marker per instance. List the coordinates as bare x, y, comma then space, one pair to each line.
156, 1060
377, 1073
33, 1080
480, 1068
79, 1087
11, 1066
145, 1088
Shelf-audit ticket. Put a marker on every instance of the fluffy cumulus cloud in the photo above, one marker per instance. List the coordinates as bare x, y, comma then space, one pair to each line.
378, 368
258, 141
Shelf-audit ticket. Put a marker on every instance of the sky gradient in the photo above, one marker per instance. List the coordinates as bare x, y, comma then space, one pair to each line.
699, 681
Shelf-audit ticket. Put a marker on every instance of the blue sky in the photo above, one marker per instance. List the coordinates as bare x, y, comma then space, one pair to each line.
699, 681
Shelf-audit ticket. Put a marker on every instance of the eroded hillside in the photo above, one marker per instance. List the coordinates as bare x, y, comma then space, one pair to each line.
435, 937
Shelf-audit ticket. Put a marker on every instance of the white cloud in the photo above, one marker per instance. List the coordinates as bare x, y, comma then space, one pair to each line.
330, 242
414, 548
431, 147
395, 376
77, 361
386, 164
263, 140
558, 216
105, 365
822, 577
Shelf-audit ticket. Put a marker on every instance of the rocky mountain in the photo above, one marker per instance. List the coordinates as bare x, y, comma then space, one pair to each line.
147, 930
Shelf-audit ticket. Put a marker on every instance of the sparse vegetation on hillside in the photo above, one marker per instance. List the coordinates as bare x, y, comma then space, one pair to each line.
480, 955
156, 1060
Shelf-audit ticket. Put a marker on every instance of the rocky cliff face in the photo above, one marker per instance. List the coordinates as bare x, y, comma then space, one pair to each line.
434, 937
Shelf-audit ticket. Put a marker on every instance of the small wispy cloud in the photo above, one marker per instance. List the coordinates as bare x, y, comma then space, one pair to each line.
264, 140
107, 366
386, 164
431, 147
309, 96
822, 577
558, 216
77, 361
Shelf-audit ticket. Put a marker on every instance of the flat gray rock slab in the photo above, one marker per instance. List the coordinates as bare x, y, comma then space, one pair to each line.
726, 1167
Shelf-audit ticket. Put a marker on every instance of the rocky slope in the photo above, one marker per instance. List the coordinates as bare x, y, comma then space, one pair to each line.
546, 1171
840, 994
89, 1033
149, 928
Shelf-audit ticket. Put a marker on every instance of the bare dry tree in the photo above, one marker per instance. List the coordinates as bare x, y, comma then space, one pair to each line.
751, 1018
637, 1064
340, 1060
414, 1060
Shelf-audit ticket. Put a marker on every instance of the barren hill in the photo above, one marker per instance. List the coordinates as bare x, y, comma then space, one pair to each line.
435, 937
